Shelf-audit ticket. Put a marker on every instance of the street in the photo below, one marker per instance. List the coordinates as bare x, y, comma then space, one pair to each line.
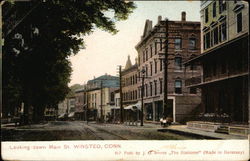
80, 130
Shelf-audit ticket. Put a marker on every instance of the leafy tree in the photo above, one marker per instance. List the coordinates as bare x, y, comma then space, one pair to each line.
36, 66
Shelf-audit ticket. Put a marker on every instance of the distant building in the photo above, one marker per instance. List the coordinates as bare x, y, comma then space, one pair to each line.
184, 43
63, 108
224, 83
101, 95
81, 104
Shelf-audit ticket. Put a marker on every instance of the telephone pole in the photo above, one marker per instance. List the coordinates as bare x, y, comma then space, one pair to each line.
166, 71
121, 95
142, 95
101, 101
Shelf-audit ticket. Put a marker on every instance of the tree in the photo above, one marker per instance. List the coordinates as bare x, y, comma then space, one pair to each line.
51, 31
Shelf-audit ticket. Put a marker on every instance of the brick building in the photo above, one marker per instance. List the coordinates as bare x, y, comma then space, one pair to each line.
224, 82
129, 84
184, 43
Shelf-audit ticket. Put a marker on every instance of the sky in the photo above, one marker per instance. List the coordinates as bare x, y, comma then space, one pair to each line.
105, 52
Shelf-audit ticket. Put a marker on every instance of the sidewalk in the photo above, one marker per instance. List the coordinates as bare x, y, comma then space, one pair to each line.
183, 130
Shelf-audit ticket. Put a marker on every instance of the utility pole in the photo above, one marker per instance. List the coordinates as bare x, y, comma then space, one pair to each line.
121, 95
166, 72
101, 101
142, 95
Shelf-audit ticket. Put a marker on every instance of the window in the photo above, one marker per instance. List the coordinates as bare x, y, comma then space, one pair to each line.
146, 90
160, 86
155, 66
143, 56
155, 87
160, 43
146, 54
193, 90
214, 9
215, 36
160, 65
207, 41
151, 51
155, 48
178, 44
223, 30
222, 6
178, 86
112, 97
192, 43
193, 67
206, 15
204, 42
151, 68
146, 71
212, 40
178, 62
239, 22
151, 89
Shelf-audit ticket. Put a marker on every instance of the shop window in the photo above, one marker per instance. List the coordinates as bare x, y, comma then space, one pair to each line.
178, 44
239, 22
192, 43
178, 87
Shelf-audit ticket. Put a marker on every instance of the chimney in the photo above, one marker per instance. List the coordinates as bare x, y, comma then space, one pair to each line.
183, 16
159, 18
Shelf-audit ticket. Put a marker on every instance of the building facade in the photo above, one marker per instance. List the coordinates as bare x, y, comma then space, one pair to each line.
101, 96
81, 104
184, 43
129, 83
224, 80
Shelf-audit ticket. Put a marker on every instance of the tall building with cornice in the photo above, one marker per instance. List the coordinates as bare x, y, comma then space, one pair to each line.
184, 43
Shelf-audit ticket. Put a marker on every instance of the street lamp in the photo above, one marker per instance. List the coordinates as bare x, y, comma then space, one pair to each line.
142, 94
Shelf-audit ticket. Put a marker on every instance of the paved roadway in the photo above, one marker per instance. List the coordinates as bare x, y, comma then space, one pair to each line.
80, 130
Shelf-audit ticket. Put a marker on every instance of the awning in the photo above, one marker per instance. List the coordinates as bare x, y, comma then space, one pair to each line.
62, 115
71, 114
115, 108
134, 107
